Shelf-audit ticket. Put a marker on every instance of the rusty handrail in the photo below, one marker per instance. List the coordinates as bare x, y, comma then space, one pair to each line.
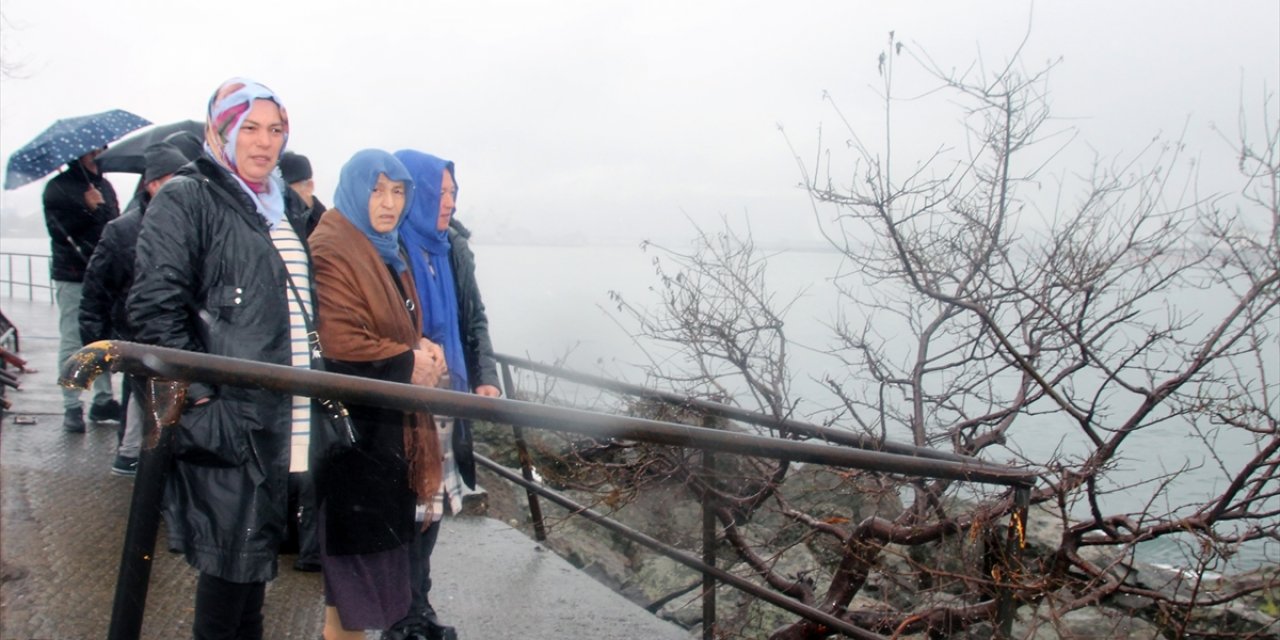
720, 410
176, 364
163, 364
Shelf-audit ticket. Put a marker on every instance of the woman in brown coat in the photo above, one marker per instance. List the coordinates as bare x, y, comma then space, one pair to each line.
369, 325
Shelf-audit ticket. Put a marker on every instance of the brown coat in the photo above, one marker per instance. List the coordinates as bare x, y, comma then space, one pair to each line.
367, 329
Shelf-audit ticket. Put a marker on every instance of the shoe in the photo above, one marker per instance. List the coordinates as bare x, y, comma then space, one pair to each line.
432, 630
124, 466
306, 566
109, 411
73, 420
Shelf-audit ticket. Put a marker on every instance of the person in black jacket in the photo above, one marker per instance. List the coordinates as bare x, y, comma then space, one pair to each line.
78, 203
295, 168
223, 268
453, 316
106, 287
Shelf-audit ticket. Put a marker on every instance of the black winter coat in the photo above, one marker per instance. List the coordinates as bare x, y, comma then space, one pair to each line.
209, 279
313, 214
73, 228
103, 315
482, 368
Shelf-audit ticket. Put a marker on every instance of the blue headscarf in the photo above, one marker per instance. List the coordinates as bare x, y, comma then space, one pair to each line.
355, 185
429, 256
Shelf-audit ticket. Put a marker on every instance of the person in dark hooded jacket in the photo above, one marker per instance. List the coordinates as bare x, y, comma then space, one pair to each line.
223, 268
106, 288
295, 168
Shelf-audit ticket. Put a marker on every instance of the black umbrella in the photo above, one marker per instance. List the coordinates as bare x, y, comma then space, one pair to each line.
66, 140
126, 156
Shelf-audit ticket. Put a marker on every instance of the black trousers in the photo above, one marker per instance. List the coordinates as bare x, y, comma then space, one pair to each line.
421, 613
228, 610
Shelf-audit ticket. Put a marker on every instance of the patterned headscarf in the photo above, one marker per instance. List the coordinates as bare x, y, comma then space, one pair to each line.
227, 110
355, 184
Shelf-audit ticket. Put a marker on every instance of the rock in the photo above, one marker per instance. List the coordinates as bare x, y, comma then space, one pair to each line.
657, 577
1090, 622
592, 549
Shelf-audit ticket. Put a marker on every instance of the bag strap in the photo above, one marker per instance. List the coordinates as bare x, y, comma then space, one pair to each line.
332, 407
313, 336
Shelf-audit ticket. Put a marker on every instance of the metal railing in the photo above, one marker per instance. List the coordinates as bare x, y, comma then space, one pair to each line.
13, 277
920, 460
163, 364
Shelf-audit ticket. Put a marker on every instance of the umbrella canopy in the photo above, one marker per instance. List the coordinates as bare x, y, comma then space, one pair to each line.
66, 140
127, 156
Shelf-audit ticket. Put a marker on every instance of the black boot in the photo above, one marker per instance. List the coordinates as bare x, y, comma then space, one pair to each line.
73, 420
437, 631
108, 410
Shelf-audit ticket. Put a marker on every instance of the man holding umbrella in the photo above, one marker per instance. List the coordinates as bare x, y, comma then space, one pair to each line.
78, 203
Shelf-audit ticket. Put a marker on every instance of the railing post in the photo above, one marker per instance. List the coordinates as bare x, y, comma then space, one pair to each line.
1011, 562
160, 401
708, 545
526, 462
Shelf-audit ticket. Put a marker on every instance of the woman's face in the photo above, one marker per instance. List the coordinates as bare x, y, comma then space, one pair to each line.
447, 203
259, 141
386, 203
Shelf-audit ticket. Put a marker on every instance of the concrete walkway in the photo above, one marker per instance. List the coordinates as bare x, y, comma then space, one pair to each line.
63, 519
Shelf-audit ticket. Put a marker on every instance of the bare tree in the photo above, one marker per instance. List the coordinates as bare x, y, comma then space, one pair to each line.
986, 321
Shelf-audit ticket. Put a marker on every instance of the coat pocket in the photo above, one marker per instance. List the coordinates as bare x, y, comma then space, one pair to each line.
214, 434
225, 302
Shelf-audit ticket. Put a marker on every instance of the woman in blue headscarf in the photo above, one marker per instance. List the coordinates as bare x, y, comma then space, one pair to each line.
453, 316
369, 326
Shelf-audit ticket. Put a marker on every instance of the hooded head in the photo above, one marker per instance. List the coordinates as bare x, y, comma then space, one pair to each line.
241, 106
428, 248
162, 159
356, 186
295, 167
424, 213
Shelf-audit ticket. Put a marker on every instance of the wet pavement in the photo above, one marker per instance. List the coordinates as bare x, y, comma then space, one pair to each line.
63, 519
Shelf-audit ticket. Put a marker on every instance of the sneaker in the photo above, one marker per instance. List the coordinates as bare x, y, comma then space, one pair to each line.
124, 466
109, 411
73, 420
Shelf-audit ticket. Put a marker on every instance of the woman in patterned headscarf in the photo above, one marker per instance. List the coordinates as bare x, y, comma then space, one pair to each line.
222, 268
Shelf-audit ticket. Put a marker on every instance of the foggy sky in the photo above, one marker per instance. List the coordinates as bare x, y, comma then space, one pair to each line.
618, 122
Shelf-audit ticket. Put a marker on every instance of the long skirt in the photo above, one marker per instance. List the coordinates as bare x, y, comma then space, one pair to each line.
370, 590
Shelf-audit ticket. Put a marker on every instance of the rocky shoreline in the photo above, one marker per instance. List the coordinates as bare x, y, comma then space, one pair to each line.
673, 591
